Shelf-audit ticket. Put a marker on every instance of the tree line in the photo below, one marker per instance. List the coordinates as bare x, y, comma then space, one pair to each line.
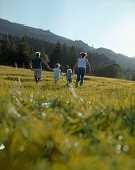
21, 50
16, 50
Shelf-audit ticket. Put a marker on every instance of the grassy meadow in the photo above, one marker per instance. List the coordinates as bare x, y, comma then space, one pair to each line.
52, 127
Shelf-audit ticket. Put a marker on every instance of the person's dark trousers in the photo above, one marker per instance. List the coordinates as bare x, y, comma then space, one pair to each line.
80, 76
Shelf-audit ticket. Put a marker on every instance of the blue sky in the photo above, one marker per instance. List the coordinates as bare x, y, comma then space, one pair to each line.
101, 23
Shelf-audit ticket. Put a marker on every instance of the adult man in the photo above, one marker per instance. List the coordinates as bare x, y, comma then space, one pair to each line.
35, 64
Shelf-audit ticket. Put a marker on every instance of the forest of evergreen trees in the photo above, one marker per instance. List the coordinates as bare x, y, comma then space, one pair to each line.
15, 50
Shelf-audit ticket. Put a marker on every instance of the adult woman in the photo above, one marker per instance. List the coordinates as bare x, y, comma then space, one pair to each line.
81, 64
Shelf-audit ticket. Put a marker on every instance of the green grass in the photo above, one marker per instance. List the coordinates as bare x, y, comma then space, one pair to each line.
48, 126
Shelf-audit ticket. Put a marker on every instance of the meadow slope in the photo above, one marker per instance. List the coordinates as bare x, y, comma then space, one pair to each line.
48, 126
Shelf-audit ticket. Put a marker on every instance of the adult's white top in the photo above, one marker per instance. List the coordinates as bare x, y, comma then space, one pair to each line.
82, 62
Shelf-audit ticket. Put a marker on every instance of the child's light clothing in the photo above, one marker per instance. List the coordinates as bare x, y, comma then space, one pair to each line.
56, 74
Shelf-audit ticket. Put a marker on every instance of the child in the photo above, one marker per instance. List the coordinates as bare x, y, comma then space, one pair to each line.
69, 76
57, 72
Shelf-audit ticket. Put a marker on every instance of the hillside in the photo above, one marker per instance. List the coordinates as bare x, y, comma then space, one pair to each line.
11, 42
124, 61
51, 126
21, 30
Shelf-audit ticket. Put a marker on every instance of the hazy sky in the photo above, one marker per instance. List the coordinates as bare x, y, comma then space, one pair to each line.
101, 23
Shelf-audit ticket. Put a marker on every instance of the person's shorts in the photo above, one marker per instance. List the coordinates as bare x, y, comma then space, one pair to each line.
37, 73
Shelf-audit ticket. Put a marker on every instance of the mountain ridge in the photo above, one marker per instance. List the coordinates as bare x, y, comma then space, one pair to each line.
21, 30
124, 61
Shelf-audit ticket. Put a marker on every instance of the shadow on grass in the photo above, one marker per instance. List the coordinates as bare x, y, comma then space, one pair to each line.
52, 87
26, 79
17, 78
11, 74
44, 87
86, 78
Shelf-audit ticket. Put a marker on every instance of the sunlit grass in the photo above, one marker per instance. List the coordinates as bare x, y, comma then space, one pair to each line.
52, 126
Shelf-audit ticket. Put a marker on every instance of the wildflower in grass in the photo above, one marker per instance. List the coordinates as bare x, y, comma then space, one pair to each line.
2, 146
118, 149
120, 137
21, 148
126, 148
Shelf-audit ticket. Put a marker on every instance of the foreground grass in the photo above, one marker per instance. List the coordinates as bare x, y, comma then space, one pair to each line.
54, 127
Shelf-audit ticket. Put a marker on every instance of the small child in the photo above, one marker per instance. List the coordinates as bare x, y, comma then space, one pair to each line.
57, 72
69, 76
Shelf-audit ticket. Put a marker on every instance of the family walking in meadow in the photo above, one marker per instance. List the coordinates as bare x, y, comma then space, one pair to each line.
35, 65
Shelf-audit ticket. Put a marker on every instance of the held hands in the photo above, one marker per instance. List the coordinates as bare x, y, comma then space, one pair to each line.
49, 68
63, 75
31, 69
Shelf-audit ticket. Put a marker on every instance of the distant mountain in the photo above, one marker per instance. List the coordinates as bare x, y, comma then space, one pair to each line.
125, 61
20, 30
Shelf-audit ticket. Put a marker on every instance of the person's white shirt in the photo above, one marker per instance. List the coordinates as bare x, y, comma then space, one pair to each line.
56, 71
82, 62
